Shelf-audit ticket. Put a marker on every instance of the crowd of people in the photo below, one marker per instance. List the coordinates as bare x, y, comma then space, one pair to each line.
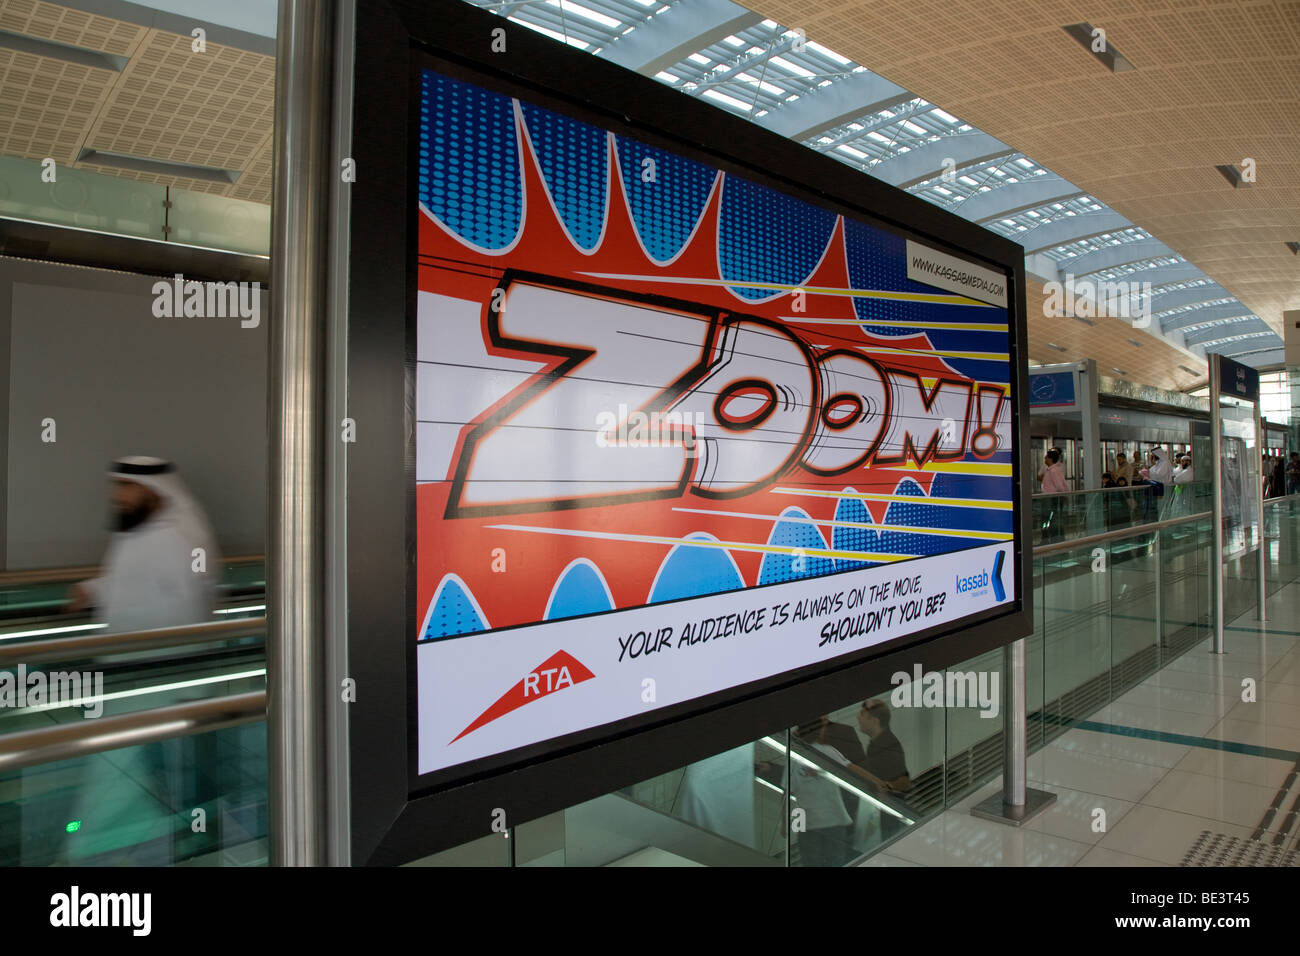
1281, 475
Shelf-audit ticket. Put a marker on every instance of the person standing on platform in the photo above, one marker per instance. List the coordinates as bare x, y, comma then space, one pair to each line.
1293, 474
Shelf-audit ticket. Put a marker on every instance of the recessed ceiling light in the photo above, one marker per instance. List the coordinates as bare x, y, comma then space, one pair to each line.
1115, 61
1080, 318
1120, 370
62, 51
1188, 370
1294, 247
1233, 175
142, 164
1053, 345
1135, 343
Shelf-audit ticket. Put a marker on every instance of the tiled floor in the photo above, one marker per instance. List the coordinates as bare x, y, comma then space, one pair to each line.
1126, 799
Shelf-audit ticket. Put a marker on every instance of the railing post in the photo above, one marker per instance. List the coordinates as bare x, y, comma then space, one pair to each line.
1216, 482
1261, 594
1017, 803
1160, 603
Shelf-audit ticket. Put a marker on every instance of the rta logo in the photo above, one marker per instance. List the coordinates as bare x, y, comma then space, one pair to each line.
738, 402
559, 671
555, 677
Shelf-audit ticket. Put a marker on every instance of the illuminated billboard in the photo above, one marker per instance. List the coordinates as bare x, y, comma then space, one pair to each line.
678, 431
669, 431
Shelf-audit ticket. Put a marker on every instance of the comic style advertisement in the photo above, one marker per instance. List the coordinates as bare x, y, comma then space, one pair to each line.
678, 431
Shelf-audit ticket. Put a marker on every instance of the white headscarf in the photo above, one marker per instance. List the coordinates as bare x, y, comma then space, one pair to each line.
179, 506
1161, 471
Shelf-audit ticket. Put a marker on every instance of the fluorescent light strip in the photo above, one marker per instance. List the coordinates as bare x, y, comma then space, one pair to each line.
95, 59
68, 629
141, 691
696, 543
240, 610
159, 167
843, 785
905, 529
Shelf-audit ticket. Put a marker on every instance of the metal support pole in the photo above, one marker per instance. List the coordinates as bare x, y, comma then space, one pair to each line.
1216, 482
339, 820
295, 641
1091, 431
1261, 598
1160, 603
1015, 747
1017, 803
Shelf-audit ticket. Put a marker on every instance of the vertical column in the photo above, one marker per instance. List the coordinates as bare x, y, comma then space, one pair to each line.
1092, 464
1216, 489
295, 641
339, 822
1015, 742
1261, 596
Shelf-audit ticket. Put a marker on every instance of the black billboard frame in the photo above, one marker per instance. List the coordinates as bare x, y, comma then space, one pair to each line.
395, 816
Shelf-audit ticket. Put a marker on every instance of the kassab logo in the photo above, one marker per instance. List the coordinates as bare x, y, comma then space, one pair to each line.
557, 672
999, 592
977, 583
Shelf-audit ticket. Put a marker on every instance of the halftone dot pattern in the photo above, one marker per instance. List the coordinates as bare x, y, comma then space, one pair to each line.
877, 260
767, 236
664, 211
854, 539
469, 161
453, 613
794, 534
692, 572
574, 160
913, 515
579, 591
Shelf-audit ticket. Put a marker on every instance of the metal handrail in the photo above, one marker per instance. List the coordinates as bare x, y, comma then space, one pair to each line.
1127, 488
82, 572
1056, 547
81, 738
85, 645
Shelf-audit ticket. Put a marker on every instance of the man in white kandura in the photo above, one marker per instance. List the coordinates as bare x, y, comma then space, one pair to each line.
161, 568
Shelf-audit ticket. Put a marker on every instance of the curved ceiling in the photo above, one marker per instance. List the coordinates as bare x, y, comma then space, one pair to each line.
1104, 176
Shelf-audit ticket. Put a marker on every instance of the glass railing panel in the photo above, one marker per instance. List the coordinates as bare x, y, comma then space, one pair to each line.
1184, 586
198, 800
1131, 566
859, 773
1075, 597
1081, 513
972, 735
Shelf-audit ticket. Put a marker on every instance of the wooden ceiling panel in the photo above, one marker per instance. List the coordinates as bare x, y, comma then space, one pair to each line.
1214, 82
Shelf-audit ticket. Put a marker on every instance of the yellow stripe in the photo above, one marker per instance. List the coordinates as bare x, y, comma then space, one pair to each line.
906, 529
957, 326
953, 468
725, 545
912, 499
982, 356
